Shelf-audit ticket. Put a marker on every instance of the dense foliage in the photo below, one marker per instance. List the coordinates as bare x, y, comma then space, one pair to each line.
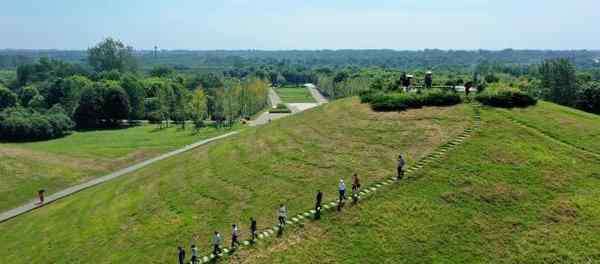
404, 100
17, 124
506, 98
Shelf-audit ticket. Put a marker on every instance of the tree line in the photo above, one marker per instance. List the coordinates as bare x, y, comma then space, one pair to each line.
110, 89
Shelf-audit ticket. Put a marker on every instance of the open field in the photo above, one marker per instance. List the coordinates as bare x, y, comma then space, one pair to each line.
182, 200
291, 94
507, 195
59, 163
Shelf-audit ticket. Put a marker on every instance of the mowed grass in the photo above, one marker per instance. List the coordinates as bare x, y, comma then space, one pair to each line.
141, 218
507, 195
289, 94
56, 164
569, 125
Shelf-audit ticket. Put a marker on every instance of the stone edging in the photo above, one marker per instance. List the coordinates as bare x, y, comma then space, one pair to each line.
366, 191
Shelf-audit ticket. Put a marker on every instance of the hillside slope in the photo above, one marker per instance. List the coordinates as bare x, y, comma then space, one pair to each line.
512, 193
182, 200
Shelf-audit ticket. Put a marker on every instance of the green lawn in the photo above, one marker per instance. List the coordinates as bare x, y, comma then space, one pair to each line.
289, 94
59, 163
508, 195
566, 124
141, 218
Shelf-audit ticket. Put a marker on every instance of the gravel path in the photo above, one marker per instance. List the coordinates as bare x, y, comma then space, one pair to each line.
316, 94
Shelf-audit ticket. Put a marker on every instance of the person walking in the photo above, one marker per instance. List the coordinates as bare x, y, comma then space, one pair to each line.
234, 236
253, 229
342, 190
355, 181
194, 251
41, 195
282, 215
216, 242
181, 254
400, 167
319, 200
355, 189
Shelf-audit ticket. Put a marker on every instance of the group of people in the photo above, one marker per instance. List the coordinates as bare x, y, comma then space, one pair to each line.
282, 214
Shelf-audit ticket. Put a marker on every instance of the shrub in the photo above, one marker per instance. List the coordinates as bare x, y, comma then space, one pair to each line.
280, 109
7, 98
506, 98
20, 124
403, 101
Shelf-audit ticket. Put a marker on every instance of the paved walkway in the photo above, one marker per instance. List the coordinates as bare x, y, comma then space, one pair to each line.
316, 94
77, 188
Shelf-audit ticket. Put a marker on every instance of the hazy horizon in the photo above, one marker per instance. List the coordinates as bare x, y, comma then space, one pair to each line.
311, 25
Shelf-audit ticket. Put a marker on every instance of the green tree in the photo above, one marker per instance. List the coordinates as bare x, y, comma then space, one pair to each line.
135, 92
116, 103
588, 98
559, 81
26, 94
7, 98
111, 54
197, 108
89, 111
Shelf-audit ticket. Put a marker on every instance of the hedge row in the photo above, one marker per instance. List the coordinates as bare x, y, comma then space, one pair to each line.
280, 109
403, 101
506, 98
20, 124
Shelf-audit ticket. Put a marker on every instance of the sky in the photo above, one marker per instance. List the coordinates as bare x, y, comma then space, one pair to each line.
306, 24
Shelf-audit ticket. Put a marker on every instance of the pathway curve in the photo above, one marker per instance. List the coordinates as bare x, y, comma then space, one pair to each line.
367, 191
77, 188
316, 94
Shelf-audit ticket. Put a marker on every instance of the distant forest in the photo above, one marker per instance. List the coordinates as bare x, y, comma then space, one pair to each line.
431, 58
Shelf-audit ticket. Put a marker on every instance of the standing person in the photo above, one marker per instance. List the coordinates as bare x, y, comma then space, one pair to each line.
194, 251
318, 205
253, 229
181, 255
400, 168
216, 242
355, 181
282, 214
41, 195
234, 236
342, 190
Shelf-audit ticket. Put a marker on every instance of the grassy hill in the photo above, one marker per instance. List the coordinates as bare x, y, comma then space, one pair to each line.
182, 200
512, 193
60, 163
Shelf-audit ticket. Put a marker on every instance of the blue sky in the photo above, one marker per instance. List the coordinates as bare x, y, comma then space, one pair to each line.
308, 24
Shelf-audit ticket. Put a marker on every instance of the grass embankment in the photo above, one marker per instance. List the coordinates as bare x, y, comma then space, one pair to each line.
295, 94
60, 163
507, 195
141, 218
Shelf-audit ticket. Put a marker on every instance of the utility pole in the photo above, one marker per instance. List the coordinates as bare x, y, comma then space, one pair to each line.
155, 51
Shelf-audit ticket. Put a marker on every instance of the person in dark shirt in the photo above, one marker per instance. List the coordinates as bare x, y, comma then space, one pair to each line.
318, 205
400, 168
253, 229
181, 254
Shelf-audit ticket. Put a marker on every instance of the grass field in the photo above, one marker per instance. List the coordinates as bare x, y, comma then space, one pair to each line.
59, 163
289, 94
508, 195
141, 218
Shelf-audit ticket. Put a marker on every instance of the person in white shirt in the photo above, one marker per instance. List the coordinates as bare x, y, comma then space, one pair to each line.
234, 236
216, 242
282, 214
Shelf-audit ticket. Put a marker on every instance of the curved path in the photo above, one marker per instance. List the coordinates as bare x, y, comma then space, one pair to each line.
316, 94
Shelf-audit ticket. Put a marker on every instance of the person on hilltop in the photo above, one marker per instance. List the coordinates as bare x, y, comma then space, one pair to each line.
282, 215
194, 251
318, 202
234, 236
181, 254
400, 167
428, 79
355, 181
342, 192
253, 231
216, 242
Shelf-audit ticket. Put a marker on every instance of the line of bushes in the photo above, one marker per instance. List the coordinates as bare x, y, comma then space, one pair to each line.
402, 101
280, 109
506, 98
20, 124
